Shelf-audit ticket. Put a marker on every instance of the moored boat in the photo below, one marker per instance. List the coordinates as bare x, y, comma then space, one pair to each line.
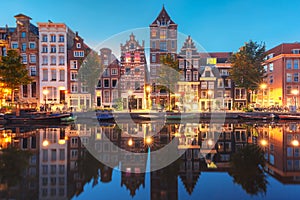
257, 117
32, 116
289, 117
104, 114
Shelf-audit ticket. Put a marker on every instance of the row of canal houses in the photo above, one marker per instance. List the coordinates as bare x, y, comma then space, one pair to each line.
53, 54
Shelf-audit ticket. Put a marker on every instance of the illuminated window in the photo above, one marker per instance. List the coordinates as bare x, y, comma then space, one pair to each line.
153, 33
127, 57
163, 34
137, 57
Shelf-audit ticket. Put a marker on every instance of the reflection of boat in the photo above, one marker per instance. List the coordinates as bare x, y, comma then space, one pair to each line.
104, 114
288, 117
257, 117
32, 116
70, 118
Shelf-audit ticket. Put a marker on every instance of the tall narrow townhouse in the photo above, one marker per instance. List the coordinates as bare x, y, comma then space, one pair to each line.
79, 95
55, 40
163, 41
133, 74
25, 39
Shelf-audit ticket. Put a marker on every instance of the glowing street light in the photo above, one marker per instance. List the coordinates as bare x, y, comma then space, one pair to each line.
45, 93
130, 142
295, 143
263, 86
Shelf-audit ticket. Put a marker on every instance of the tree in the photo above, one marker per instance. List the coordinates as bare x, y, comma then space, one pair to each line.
89, 72
247, 67
168, 75
12, 72
246, 168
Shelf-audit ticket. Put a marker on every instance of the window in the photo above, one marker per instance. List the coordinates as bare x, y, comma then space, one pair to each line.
296, 64
271, 67
45, 74
53, 74
137, 57
23, 34
24, 58
53, 49
114, 72
195, 76
78, 45
289, 64
61, 38
74, 76
127, 57
106, 97
271, 79
61, 60
127, 70
153, 58
114, 83
44, 38
53, 60
74, 87
296, 51
44, 60
61, 75
106, 83
173, 44
207, 74
33, 89
153, 44
32, 70
289, 89
61, 154
44, 49
25, 91
163, 46
32, 45
106, 72
32, 58
78, 54
23, 48
52, 38
61, 48
99, 83
296, 77
14, 45
163, 34
153, 33
73, 64
288, 77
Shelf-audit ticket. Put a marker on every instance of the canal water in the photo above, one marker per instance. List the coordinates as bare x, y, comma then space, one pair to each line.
151, 160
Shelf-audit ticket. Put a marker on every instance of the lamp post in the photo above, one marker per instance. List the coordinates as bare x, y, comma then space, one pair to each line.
148, 90
45, 93
263, 86
129, 99
295, 92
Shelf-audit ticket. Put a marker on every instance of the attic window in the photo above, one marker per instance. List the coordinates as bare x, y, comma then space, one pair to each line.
296, 51
78, 45
271, 55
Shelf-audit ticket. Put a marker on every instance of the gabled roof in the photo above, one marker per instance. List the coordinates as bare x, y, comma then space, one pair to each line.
22, 16
163, 16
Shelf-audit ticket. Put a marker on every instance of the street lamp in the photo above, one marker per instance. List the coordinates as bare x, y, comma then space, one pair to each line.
295, 92
130, 92
45, 93
263, 86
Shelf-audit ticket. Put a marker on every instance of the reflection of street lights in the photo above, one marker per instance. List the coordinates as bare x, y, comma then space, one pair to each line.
263, 86
295, 93
45, 92
129, 99
148, 90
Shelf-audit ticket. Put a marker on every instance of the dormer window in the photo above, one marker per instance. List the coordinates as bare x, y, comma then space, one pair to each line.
296, 51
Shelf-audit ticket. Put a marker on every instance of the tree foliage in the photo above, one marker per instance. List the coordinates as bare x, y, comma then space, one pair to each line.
247, 66
89, 72
247, 169
12, 72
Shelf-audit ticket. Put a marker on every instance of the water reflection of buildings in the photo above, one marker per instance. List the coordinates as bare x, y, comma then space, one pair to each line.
60, 163
282, 150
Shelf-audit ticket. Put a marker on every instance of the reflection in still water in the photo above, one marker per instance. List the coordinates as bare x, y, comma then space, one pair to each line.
54, 161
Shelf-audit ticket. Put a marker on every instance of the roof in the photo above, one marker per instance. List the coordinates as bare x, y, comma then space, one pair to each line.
163, 16
22, 16
222, 57
284, 48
